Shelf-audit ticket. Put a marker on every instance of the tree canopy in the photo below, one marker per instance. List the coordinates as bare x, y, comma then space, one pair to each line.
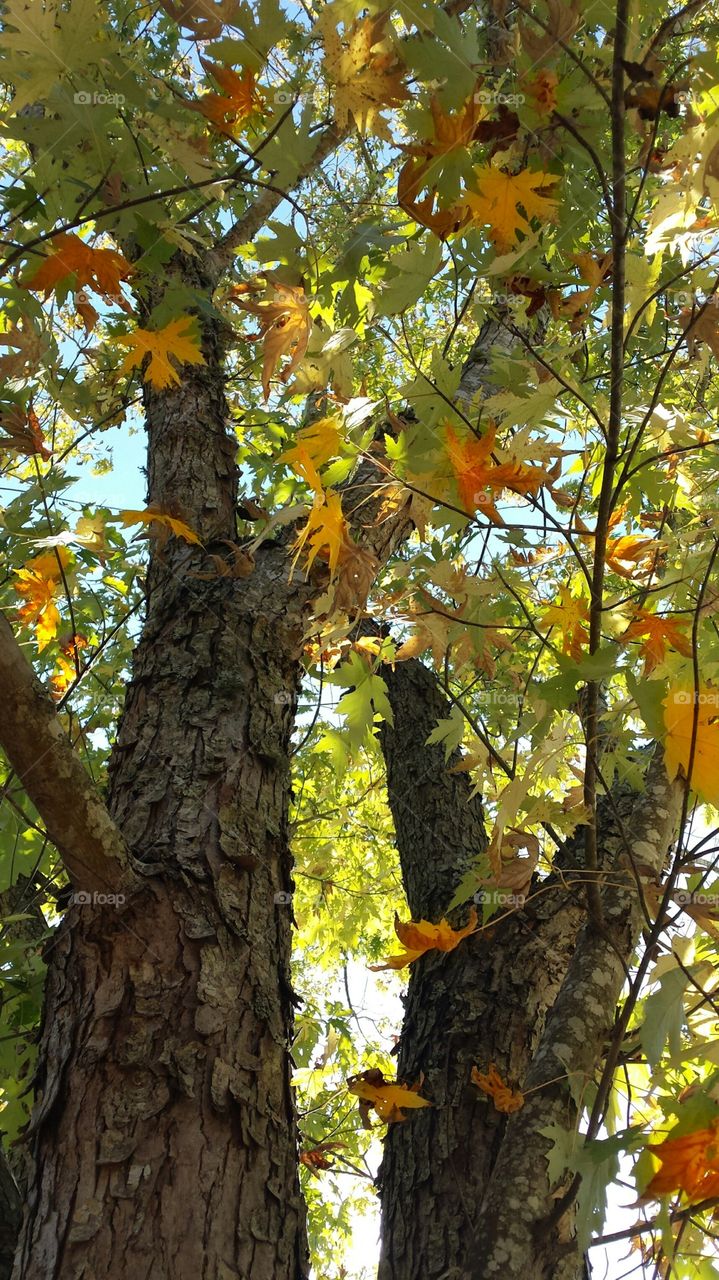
459, 266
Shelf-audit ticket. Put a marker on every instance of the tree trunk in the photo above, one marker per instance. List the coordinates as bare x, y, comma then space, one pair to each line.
463, 1186
484, 1002
10, 1215
164, 1133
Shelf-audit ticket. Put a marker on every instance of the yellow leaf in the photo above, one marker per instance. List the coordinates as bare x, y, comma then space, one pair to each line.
692, 716
37, 583
176, 339
155, 515
422, 936
496, 204
366, 72
569, 616
319, 442
326, 533
388, 1100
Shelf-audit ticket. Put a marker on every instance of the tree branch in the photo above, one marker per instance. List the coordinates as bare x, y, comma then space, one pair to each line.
245, 229
75, 817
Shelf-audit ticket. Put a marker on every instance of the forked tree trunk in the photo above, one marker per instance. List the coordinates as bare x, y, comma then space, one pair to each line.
164, 1133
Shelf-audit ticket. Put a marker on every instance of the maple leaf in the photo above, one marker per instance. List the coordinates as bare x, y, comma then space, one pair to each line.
77, 264
38, 582
496, 203
388, 1100
23, 432
285, 328
692, 716
176, 339
701, 327
480, 481
544, 42
67, 665
240, 98
31, 348
421, 936
326, 533
570, 617
313, 448
366, 72
443, 222
451, 131
595, 272
543, 91
506, 1099
631, 554
689, 1163
155, 515
317, 1158
659, 635
204, 18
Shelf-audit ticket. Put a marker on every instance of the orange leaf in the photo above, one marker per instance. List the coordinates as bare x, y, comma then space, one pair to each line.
505, 1099
660, 634
240, 98
422, 936
443, 222
689, 1163
692, 716
101, 269
480, 481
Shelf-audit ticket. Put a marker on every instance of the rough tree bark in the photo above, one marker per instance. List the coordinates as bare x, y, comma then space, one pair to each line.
464, 1187
484, 1002
10, 1215
164, 1133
